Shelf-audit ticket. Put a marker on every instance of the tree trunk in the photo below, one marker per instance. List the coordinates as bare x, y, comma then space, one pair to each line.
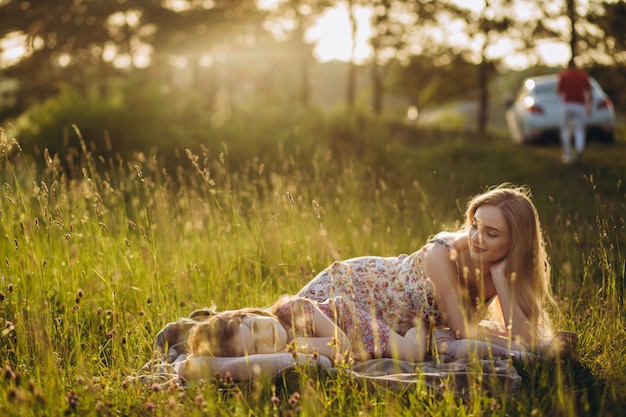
351, 81
571, 15
377, 87
483, 102
305, 83
301, 51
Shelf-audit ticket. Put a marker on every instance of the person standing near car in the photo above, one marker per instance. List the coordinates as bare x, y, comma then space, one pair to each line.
574, 88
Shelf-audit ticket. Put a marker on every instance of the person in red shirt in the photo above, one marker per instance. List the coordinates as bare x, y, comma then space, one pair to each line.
574, 88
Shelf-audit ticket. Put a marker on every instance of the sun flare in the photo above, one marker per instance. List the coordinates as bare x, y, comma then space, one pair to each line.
332, 37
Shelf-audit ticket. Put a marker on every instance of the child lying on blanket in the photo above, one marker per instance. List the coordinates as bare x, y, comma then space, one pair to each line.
332, 328
173, 340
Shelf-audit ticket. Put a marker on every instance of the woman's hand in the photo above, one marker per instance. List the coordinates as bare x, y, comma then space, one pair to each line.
337, 352
498, 271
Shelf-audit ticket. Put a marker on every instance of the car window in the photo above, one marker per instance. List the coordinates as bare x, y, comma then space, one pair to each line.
545, 88
596, 86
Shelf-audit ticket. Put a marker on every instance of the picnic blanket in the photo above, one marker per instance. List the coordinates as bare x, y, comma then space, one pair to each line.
172, 364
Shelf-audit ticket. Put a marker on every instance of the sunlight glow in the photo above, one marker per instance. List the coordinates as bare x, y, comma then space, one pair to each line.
12, 48
554, 53
332, 37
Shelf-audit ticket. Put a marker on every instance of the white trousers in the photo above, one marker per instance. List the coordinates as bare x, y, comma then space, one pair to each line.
574, 115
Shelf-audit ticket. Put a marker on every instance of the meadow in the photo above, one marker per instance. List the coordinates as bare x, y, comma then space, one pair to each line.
100, 252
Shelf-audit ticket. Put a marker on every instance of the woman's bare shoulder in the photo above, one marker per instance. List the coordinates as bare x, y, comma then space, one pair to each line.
439, 257
443, 244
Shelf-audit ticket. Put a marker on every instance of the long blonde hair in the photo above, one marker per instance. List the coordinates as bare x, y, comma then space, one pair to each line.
216, 335
527, 261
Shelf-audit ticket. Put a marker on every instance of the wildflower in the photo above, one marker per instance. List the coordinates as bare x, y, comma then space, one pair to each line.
1, 296
8, 373
10, 287
494, 405
72, 399
228, 378
199, 401
171, 403
275, 400
80, 293
155, 387
16, 395
39, 396
150, 406
293, 400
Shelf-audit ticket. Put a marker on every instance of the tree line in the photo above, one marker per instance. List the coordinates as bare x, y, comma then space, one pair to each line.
207, 59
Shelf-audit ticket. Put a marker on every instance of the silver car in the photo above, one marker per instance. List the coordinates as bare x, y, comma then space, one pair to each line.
535, 112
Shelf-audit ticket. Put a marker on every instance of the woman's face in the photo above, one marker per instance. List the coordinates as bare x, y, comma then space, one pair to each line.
489, 235
260, 334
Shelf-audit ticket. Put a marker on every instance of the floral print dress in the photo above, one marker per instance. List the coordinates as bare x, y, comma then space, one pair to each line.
369, 337
394, 290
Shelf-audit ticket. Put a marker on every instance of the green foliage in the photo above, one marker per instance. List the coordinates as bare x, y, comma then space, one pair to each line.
99, 255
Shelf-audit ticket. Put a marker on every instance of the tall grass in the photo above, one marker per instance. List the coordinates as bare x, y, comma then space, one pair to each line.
99, 253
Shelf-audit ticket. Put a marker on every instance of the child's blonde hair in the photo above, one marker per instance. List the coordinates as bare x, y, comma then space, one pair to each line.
216, 335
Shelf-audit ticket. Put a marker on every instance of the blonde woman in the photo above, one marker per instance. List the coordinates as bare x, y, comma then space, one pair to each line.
496, 262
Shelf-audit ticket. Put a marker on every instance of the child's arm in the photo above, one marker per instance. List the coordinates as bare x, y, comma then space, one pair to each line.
244, 367
328, 340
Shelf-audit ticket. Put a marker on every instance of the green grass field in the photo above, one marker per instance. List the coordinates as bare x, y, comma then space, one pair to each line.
98, 256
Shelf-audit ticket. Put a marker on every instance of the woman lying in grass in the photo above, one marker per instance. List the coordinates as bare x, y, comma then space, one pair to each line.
498, 259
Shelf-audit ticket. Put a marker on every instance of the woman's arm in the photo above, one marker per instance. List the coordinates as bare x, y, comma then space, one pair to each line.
447, 344
439, 268
442, 273
329, 340
516, 322
410, 347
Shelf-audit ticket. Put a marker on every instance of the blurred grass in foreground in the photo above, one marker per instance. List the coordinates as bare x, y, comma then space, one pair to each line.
97, 258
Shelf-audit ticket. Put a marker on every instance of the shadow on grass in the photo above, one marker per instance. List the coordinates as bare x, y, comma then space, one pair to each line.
564, 387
